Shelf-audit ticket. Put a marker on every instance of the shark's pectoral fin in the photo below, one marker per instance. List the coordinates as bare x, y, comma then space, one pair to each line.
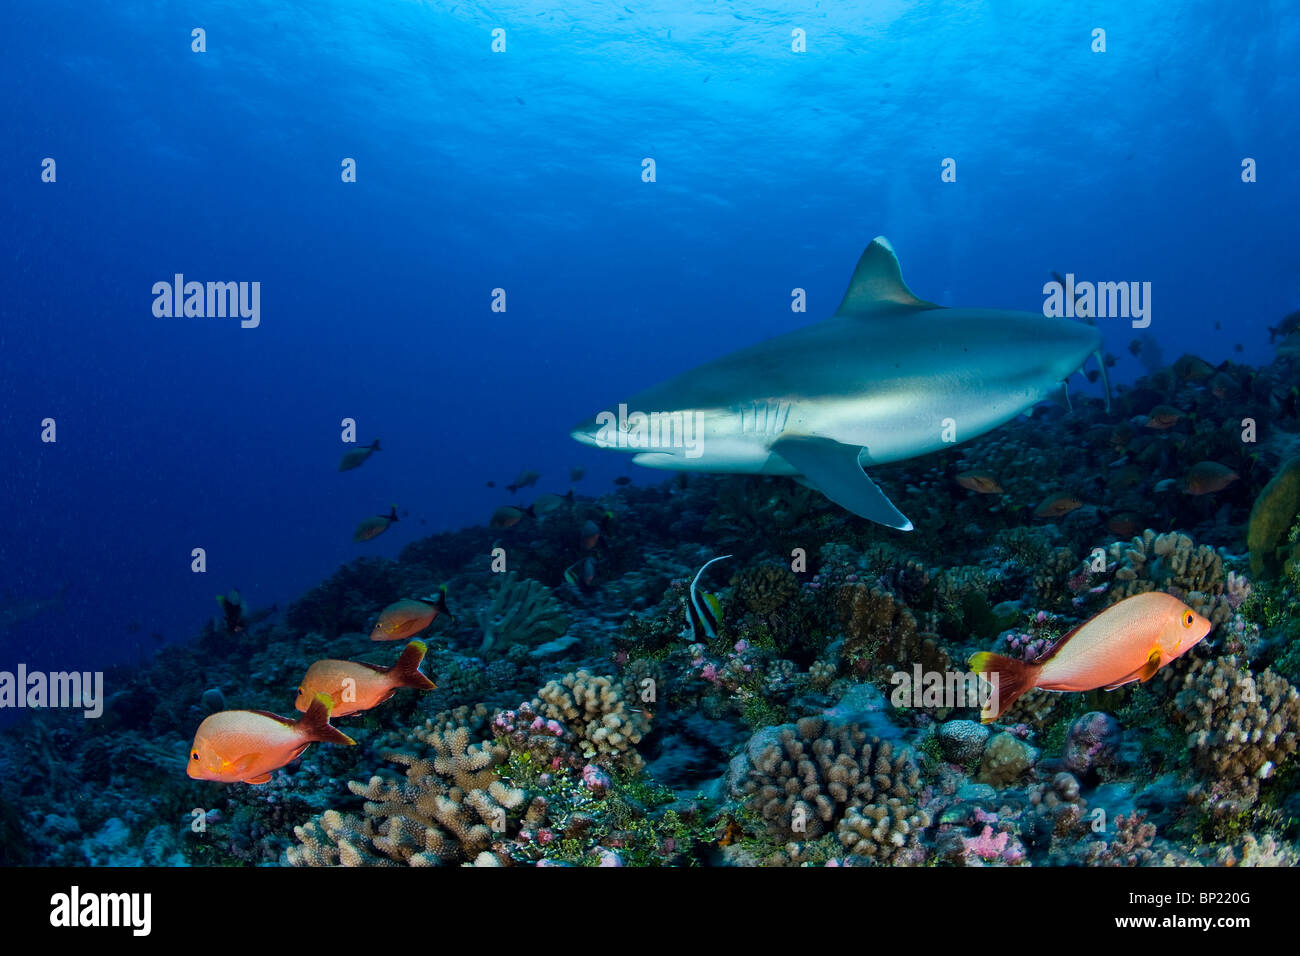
832, 468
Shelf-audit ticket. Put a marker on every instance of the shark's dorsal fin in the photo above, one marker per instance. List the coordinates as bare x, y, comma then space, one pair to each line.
877, 284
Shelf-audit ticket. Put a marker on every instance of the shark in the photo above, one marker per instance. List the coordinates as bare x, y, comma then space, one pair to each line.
887, 377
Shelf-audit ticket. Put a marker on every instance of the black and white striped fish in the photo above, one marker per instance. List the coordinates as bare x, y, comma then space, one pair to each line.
703, 612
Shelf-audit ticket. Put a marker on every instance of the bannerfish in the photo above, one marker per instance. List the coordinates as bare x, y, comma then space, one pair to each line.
980, 482
1207, 477
358, 686
581, 573
525, 479
703, 612
1057, 505
409, 616
357, 457
1127, 642
373, 527
247, 745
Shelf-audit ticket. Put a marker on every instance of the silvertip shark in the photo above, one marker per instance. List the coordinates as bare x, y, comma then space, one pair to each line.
889, 376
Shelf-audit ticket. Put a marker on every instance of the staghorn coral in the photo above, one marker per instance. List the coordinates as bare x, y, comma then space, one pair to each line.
807, 782
1241, 727
600, 712
521, 612
1173, 563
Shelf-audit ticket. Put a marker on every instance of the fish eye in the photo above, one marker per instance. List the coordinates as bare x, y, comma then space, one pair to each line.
195, 755
1189, 618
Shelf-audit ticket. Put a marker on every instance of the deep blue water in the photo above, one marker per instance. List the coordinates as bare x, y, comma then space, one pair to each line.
522, 170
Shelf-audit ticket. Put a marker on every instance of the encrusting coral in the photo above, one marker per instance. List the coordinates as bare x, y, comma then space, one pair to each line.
1241, 727
1272, 516
521, 612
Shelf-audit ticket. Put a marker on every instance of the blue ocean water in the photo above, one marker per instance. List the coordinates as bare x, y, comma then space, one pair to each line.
522, 170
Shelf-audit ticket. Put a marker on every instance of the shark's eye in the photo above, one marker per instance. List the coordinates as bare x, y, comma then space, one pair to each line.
1189, 618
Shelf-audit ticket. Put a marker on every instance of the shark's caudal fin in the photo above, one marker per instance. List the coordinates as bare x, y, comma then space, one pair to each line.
832, 468
877, 284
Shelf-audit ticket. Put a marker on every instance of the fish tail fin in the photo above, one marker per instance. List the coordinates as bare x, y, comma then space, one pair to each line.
406, 672
1014, 679
316, 724
441, 603
392, 513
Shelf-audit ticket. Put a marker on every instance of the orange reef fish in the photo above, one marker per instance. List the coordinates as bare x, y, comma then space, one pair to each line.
525, 479
1054, 506
507, 516
1127, 642
247, 745
981, 482
374, 527
1207, 477
358, 686
409, 616
1126, 524
703, 612
1162, 417
357, 457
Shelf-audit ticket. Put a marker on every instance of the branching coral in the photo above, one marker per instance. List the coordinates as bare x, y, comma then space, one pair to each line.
1241, 727
521, 612
1171, 562
817, 778
445, 811
881, 633
600, 711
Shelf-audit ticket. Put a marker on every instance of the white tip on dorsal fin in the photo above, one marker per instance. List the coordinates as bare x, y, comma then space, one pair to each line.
878, 285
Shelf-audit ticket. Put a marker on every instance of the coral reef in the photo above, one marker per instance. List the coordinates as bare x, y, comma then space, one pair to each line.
601, 712
521, 612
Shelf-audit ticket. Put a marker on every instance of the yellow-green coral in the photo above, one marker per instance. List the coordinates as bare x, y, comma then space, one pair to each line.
1272, 516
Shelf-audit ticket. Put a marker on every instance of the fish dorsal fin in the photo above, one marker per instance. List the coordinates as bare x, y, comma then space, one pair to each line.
877, 284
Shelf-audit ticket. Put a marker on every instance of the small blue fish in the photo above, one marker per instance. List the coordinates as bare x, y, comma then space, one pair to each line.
703, 612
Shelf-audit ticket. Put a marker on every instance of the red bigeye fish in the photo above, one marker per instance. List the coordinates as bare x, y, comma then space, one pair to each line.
410, 616
1127, 642
357, 686
357, 458
373, 527
247, 745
